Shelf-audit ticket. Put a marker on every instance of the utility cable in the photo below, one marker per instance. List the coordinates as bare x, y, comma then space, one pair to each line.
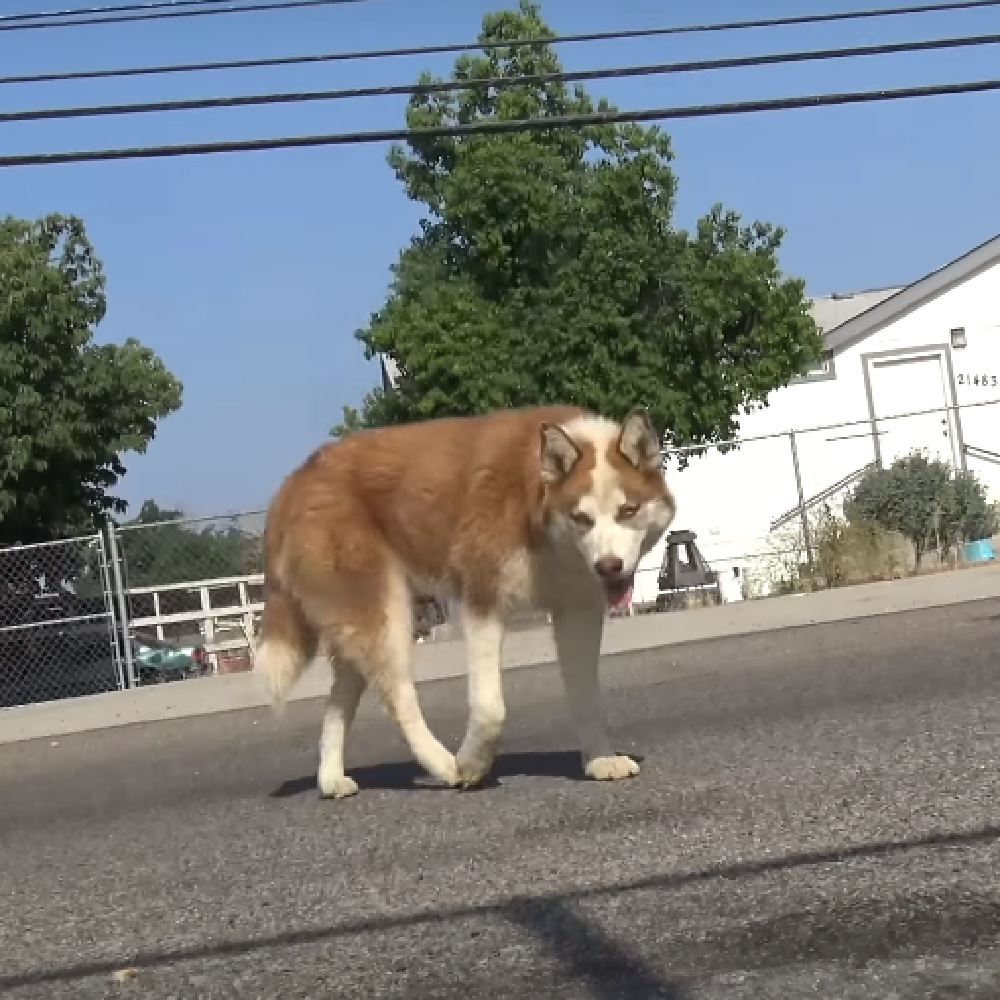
499, 127
46, 15
506, 82
23, 21
58, 20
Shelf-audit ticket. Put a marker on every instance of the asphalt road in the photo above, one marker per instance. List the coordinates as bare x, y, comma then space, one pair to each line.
817, 816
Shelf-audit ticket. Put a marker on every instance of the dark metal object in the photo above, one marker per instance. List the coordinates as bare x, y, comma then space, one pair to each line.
684, 574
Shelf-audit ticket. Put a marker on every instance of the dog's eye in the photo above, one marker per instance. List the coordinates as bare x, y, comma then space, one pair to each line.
582, 520
627, 511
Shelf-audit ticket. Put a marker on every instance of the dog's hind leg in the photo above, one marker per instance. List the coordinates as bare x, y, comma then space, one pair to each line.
370, 625
345, 694
390, 673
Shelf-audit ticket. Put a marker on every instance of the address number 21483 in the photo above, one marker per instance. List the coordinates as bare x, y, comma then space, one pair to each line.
983, 380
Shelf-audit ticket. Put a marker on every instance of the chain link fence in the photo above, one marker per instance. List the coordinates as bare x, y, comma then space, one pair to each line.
57, 629
193, 584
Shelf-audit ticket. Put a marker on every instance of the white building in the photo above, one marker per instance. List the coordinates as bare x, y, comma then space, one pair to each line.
932, 344
389, 371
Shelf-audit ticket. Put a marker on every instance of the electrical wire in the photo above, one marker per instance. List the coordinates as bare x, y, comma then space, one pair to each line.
500, 127
509, 82
775, 22
107, 9
23, 21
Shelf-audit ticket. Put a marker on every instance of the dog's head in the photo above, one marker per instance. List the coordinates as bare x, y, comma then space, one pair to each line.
605, 497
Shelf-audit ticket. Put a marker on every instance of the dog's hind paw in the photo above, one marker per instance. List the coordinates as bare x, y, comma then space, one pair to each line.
611, 768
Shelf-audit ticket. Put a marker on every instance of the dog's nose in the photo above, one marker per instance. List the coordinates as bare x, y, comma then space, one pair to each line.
609, 566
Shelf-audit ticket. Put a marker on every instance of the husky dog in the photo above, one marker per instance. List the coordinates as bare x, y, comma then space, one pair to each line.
547, 507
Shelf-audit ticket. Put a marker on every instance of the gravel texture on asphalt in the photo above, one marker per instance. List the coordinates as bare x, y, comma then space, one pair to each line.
816, 817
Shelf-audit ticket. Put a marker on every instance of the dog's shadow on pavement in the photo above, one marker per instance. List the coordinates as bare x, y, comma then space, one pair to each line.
410, 776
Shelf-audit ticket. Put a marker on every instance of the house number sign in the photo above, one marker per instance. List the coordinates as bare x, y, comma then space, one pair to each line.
990, 381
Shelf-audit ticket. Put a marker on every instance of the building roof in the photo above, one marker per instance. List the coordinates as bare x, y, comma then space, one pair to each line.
876, 313
831, 311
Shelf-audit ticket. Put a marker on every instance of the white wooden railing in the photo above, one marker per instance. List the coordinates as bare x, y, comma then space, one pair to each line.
207, 620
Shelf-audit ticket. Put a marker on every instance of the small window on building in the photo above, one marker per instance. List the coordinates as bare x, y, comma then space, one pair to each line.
821, 369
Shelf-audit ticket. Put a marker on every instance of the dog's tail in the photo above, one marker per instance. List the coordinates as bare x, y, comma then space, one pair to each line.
287, 644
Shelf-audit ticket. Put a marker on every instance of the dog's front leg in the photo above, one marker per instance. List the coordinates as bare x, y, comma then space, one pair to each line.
484, 643
578, 630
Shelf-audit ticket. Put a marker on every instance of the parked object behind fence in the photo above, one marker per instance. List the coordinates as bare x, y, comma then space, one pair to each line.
980, 551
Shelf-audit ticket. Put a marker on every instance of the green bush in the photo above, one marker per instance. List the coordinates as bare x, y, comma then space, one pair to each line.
925, 501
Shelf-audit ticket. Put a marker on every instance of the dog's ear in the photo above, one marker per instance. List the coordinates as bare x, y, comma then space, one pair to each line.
559, 453
638, 441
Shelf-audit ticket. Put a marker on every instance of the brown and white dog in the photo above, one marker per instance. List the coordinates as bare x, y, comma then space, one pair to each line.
549, 507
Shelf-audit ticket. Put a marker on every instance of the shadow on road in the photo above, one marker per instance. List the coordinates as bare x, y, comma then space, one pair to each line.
590, 956
550, 918
409, 776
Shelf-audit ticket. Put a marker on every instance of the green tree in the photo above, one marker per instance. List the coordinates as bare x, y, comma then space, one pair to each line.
69, 408
350, 421
924, 501
548, 267
968, 514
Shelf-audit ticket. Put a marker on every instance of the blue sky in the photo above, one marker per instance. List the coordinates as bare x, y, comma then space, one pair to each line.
249, 273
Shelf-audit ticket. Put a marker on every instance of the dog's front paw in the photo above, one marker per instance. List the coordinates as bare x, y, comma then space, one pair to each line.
611, 768
473, 766
336, 786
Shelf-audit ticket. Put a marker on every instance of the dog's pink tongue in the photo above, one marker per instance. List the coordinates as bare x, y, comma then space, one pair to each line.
623, 592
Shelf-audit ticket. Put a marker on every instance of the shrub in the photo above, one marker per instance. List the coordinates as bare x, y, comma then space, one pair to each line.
850, 551
924, 501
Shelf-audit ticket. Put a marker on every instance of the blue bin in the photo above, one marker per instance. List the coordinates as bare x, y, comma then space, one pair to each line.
980, 552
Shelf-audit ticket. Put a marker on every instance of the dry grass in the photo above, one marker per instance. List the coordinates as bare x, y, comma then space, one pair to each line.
847, 553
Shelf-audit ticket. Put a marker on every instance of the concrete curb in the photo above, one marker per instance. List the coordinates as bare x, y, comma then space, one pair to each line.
533, 647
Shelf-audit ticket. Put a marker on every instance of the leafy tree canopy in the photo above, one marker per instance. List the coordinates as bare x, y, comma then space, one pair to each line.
548, 267
69, 408
351, 420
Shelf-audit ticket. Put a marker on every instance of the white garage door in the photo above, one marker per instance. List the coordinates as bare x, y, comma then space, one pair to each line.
904, 384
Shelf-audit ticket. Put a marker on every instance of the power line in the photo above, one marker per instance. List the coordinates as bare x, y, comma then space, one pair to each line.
501, 127
203, 8
571, 76
244, 8
109, 9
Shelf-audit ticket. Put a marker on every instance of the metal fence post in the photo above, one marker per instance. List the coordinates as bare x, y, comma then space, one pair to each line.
116, 570
109, 603
806, 538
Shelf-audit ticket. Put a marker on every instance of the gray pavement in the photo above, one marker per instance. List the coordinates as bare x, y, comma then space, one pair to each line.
816, 817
